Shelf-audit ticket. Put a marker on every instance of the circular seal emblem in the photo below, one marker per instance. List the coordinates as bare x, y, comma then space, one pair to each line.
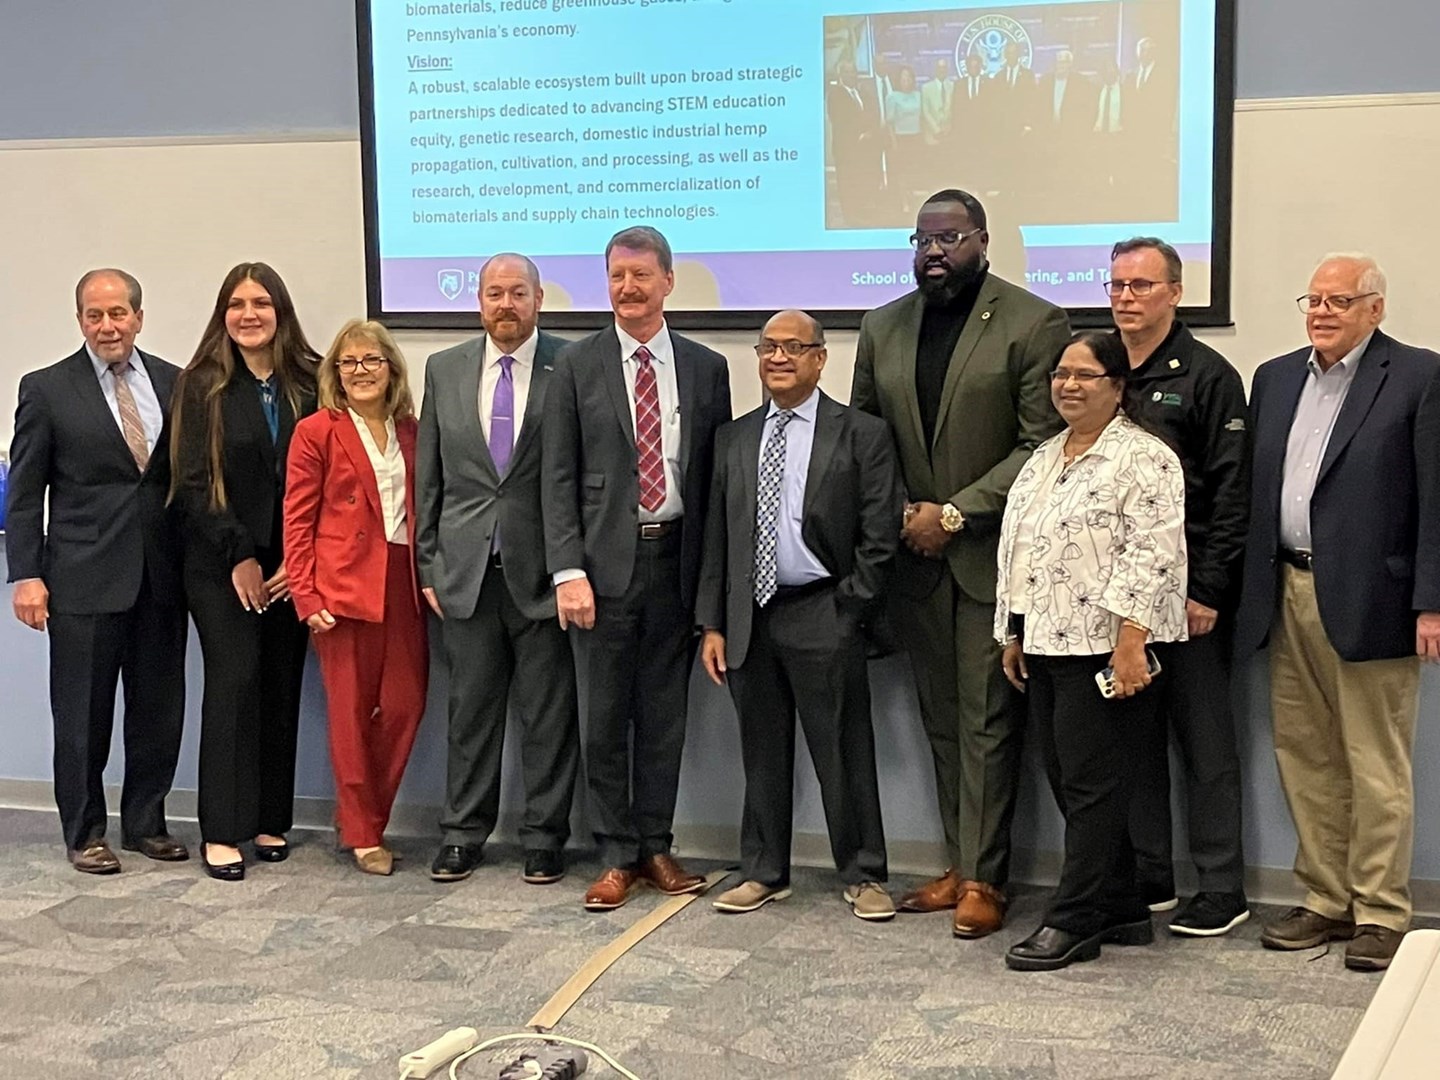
1156, 396
987, 38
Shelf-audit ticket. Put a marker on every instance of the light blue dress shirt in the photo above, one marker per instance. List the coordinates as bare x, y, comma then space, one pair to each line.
1320, 402
152, 418
795, 563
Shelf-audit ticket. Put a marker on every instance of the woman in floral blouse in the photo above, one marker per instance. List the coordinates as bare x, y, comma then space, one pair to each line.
1092, 568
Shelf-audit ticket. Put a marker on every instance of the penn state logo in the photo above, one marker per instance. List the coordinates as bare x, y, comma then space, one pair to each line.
451, 283
987, 36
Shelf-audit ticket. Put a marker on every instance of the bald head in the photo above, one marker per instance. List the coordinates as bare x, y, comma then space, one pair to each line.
510, 260
792, 355
510, 296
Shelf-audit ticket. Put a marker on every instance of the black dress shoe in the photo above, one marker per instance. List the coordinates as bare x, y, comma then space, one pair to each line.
272, 852
456, 862
1049, 949
543, 867
162, 848
224, 871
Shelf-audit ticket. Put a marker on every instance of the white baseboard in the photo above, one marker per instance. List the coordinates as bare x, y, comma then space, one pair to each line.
1263, 884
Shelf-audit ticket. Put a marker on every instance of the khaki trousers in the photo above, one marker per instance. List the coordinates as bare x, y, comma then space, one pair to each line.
1344, 735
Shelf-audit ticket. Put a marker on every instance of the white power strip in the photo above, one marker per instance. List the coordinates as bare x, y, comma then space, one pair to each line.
434, 1056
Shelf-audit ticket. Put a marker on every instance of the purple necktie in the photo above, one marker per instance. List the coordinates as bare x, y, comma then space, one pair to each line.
502, 417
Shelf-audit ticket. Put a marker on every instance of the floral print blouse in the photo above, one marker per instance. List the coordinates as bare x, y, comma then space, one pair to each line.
1099, 541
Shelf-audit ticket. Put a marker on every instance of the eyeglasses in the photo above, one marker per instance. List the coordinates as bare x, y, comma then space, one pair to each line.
1084, 378
1312, 302
348, 365
1139, 287
921, 241
793, 349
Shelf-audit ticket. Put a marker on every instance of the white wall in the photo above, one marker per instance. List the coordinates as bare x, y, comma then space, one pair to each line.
1311, 176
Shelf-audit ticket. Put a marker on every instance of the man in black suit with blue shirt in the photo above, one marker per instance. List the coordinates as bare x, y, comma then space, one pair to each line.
1342, 577
804, 523
102, 575
480, 551
630, 419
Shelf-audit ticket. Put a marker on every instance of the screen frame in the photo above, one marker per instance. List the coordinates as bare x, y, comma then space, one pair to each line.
1217, 313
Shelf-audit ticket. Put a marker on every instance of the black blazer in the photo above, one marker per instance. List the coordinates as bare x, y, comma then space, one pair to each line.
254, 470
854, 502
1375, 514
591, 489
109, 526
459, 496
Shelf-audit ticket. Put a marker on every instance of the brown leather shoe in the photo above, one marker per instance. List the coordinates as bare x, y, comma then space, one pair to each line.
1372, 948
611, 889
1301, 928
162, 848
942, 894
95, 858
669, 876
980, 910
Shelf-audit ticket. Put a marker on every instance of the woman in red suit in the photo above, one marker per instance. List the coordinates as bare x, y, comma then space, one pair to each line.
350, 556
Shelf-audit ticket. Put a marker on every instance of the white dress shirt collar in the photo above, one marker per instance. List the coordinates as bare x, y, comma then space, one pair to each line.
661, 349
103, 366
806, 410
1348, 361
524, 354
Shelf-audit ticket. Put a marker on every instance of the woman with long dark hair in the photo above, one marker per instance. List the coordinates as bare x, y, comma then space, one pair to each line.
253, 376
1091, 570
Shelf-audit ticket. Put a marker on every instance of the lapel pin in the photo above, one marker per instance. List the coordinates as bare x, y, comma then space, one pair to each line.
984, 315
1174, 364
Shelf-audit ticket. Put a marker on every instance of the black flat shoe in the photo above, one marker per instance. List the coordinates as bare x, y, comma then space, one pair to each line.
223, 872
272, 852
1049, 949
456, 862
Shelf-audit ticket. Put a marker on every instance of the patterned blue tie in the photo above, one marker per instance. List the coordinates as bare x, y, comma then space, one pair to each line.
767, 509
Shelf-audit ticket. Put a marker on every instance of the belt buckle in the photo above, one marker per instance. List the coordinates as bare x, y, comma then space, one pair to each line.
652, 530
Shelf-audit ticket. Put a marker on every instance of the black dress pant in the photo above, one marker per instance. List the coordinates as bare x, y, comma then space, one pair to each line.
145, 648
1195, 707
250, 713
499, 659
806, 656
641, 651
1089, 745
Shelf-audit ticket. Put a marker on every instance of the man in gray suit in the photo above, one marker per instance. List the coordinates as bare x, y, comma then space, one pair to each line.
805, 519
960, 368
481, 556
629, 433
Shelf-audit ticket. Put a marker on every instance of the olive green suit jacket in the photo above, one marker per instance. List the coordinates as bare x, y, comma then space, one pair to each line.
994, 410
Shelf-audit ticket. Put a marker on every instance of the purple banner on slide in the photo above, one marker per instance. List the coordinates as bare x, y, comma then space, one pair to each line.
762, 281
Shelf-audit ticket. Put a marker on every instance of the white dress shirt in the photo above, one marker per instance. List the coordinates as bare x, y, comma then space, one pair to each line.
520, 372
389, 466
1106, 543
662, 359
147, 402
795, 564
1320, 402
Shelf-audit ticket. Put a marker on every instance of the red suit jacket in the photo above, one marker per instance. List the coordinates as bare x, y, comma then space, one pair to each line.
335, 543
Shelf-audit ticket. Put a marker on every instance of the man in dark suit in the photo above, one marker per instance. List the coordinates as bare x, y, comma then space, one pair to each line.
481, 556
91, 434
855, 146
630, 419
805, 519
1342, 576
960, 369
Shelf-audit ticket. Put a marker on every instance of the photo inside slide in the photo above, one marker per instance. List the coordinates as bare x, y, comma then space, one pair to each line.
784, 146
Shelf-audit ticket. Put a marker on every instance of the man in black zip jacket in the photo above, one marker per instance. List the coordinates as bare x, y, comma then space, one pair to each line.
1195, 399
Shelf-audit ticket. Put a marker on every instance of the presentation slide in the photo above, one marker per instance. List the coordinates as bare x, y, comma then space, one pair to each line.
783, 146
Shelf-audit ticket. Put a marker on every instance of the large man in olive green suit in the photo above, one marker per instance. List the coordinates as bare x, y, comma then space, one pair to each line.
960, 369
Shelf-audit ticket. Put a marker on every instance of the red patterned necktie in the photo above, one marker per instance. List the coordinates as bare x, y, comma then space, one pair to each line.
647, 433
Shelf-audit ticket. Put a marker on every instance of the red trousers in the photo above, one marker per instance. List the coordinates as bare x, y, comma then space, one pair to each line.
375, 677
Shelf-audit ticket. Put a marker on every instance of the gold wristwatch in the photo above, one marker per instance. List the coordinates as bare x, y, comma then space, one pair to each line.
951, 520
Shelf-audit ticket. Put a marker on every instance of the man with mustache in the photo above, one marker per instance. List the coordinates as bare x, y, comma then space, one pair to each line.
480, 552
960, 369
630, 426
1342, 576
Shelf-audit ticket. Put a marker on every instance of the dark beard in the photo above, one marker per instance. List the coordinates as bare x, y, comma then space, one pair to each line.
938, 292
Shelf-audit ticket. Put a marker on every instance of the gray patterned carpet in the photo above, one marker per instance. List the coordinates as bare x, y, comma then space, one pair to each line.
309, 969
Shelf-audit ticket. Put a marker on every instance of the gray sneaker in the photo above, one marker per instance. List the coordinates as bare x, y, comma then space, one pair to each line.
748, 896
870, 901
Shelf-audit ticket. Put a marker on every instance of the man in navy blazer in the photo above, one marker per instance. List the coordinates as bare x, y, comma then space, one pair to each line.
629, 435
102, 576
1342, 576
